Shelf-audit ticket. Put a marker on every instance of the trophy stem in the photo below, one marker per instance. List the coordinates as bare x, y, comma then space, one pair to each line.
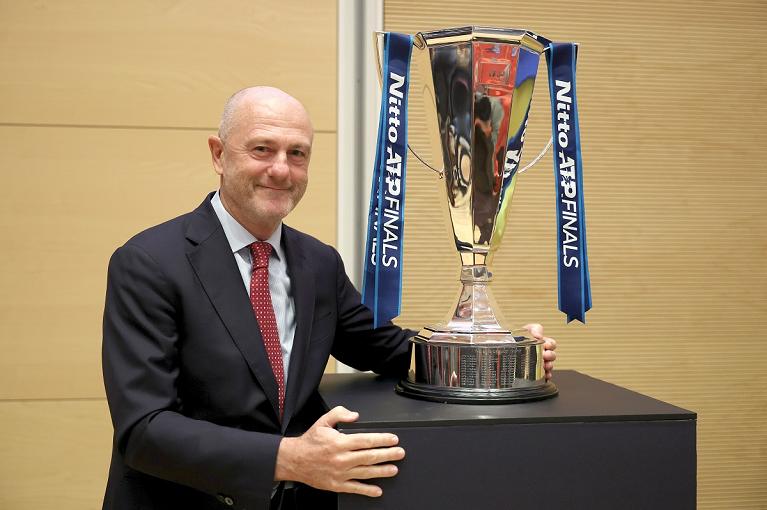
475, 311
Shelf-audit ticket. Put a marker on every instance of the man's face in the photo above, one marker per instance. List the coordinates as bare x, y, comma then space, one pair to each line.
263, 162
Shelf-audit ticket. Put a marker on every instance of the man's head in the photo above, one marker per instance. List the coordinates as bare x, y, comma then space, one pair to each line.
262, 155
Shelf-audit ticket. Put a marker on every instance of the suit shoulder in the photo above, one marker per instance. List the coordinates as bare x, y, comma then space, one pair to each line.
173, 227
163, 238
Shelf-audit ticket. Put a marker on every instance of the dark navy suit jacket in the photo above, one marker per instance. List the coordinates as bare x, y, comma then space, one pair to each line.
192, 395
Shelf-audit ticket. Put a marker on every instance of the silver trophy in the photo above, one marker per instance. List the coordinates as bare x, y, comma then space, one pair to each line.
479, 81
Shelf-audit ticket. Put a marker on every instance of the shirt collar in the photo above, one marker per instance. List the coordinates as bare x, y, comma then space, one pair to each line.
238, 236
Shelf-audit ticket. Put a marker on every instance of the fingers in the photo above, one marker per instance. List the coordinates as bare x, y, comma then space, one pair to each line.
549, 355
365, 441
355, 487
368, 472
337, 415
549, 343
535, 329
374, 456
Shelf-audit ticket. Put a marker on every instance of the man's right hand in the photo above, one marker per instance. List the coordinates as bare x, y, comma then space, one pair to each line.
330, 460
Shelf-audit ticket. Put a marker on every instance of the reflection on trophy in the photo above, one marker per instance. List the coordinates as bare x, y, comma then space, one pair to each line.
479, 81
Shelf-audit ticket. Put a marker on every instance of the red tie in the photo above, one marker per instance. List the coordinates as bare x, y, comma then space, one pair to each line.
261, 301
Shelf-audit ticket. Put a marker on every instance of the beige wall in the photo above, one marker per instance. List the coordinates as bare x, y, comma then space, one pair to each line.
105, 108
104, 111
672, 103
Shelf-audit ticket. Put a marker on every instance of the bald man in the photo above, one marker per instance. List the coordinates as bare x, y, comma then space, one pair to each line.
217, 327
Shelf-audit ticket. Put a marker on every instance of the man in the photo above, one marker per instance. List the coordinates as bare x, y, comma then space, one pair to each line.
217, 327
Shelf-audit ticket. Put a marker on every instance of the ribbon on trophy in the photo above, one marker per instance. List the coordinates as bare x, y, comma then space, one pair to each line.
573, 267
382, 278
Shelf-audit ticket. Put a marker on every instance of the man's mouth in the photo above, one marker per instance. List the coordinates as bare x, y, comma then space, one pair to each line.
272, 188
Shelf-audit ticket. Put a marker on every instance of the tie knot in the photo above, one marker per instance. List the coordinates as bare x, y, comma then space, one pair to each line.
260, 252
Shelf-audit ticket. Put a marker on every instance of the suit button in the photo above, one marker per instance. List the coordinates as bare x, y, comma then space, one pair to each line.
225, 499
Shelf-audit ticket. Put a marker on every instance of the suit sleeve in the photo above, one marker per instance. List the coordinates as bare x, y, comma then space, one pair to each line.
141, 370
384, 350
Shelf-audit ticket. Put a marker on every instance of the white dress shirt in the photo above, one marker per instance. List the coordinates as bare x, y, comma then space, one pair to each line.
279, 282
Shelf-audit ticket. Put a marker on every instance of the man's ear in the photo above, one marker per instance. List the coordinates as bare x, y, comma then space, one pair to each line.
216, 147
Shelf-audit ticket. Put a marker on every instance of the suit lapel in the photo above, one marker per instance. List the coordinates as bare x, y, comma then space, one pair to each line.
215, 266
302, 284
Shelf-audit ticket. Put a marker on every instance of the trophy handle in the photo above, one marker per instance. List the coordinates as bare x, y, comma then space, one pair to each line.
441, 173
538, 157
377, 36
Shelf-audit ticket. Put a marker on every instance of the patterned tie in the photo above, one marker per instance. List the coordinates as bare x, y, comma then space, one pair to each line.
261, 301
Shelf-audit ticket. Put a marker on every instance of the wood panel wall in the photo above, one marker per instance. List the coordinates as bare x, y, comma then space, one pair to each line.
673, 113
105, 109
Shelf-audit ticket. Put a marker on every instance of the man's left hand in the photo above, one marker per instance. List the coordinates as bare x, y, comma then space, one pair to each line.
549, 346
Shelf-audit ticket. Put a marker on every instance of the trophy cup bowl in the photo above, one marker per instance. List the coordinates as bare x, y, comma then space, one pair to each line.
479, 81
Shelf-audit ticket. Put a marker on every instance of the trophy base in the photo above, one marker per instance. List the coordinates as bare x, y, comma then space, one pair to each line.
475, 396
476, 368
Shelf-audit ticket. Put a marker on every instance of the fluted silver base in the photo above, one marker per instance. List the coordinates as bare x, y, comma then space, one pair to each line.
476, 368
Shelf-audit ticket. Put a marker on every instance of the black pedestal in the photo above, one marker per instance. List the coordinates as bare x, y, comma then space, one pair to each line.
595, 446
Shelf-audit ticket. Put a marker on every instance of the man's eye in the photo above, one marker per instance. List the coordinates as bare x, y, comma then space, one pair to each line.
298, 153
261, 149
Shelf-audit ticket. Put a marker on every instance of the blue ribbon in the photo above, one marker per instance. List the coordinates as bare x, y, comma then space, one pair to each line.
382, 278
573, 273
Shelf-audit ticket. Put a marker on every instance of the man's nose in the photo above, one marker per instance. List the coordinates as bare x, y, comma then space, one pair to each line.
279, 168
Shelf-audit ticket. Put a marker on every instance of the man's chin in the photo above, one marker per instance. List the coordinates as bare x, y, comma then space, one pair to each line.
273, 205
272, 214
